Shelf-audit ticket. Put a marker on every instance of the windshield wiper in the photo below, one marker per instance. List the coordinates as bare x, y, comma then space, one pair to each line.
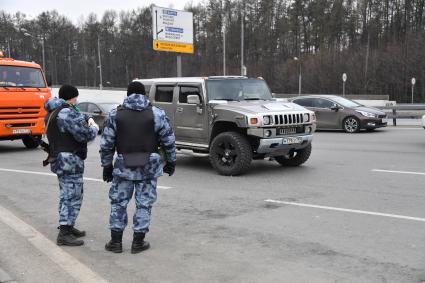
252, 98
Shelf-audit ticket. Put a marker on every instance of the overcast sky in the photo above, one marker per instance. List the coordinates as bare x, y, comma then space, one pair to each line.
74, 9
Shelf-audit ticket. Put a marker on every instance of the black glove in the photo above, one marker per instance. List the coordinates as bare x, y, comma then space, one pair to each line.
107, 173
169, 168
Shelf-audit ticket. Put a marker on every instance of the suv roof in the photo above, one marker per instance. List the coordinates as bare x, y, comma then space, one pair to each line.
187, 79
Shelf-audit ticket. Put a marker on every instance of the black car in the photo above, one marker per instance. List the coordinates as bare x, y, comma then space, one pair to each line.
99, 111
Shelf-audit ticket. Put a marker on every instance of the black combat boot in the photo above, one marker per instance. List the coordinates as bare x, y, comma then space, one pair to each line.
139, 244
115, 244
66, 238
77, 233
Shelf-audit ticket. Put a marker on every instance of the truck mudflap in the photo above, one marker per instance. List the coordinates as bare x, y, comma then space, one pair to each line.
284, 143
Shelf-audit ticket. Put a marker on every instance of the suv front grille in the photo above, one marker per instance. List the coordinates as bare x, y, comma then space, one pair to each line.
18, 113
288, 119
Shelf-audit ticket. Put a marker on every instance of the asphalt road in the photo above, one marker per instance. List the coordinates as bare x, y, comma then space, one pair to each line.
362, 218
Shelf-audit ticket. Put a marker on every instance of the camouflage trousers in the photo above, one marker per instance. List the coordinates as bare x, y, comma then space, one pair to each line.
120, 195
70, 198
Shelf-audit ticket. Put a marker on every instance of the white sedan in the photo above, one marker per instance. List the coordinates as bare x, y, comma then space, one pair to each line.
423, 121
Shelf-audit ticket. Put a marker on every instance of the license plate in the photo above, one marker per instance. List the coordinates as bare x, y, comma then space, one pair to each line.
292, 140
21, 131
286, 131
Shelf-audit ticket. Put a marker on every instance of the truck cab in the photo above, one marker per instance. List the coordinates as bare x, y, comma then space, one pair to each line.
233, 119
23, 91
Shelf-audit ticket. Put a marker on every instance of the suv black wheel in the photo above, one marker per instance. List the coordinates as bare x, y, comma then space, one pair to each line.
230, 154
295, 158
351, 125
31, 142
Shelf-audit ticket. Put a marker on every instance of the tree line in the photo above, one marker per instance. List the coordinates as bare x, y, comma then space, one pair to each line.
378, 44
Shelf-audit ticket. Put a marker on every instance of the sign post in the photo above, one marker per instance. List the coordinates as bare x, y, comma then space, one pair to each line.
344, 79
413, 87
172, 32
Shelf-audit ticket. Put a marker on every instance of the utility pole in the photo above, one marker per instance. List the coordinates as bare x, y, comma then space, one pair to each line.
100, 64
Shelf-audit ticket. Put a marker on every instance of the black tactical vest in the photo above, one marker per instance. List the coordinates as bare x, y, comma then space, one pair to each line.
62, 142
135, 131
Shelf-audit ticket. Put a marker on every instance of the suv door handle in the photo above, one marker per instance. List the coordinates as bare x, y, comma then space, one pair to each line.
179, 109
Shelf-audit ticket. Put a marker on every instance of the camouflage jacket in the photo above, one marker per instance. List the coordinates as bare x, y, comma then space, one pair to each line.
164, 133
71, 121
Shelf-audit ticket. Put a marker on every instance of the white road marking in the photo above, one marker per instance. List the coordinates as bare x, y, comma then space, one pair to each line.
54, 175
347, 210
70, 264
398, 172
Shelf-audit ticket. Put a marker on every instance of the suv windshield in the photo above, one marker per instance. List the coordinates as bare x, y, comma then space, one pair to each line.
11, 76
345, 102
238, 89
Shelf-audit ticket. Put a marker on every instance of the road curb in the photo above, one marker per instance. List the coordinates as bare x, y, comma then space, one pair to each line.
5, 278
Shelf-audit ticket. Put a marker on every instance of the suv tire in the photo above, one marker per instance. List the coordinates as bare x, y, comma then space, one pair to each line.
295, 158
31, 142
230, 154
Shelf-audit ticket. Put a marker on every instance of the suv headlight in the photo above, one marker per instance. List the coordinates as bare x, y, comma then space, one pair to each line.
267, 120
366, 114
306, 117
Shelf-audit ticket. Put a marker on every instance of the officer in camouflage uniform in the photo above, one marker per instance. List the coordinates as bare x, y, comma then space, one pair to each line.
68, 132
136, 130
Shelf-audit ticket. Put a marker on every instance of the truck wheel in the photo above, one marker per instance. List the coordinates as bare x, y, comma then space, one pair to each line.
351, 125
295, 158
230, 154
31, 142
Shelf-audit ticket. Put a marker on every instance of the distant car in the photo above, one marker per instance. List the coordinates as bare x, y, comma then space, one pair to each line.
336, 112
423, 121
99, 111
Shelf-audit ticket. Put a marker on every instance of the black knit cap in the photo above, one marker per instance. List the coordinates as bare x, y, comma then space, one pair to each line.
135, 87
67, 92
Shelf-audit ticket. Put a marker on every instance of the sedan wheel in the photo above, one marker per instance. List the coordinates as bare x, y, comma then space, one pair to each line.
351, 125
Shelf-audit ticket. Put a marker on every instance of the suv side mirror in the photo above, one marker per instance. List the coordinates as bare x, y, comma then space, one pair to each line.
193, 99
97, 111
335, 107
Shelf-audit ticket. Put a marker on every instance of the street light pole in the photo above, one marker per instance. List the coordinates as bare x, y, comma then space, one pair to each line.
8, 47
242, 43
224, 46
42, 46
100, 64
299, 80
299, 75
413, 87
42, 51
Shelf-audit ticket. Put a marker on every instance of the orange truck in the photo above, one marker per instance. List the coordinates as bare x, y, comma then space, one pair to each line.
23, 91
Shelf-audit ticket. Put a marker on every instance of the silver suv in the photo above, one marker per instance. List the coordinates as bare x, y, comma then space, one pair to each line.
235, 120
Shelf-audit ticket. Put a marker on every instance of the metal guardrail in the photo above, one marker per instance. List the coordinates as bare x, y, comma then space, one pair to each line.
404, 110
349, 96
